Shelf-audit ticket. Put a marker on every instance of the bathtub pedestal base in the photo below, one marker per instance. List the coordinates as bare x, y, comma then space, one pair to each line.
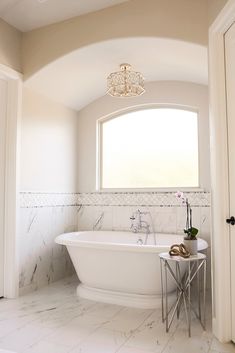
141, 301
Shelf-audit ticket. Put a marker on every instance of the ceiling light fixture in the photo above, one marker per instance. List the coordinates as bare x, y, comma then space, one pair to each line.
125, 83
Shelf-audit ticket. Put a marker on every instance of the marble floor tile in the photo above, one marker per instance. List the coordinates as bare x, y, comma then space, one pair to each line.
222, 347
9, 325
106, 311
47, 347
64, 313
76, 330
128, 320
125, 349
102, 341
151, 335
200, 340
19, 340
55, 320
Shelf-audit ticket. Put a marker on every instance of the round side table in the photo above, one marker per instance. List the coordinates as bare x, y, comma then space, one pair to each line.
184, 271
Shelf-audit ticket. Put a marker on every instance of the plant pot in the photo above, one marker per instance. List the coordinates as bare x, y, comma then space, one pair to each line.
191, 245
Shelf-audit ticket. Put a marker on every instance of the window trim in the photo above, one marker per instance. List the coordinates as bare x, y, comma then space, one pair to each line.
120, 112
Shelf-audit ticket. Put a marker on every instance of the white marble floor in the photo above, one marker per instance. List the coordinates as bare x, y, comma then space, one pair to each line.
54, 320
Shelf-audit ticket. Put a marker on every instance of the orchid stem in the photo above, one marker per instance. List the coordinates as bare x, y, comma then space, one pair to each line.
190, 217
187, 220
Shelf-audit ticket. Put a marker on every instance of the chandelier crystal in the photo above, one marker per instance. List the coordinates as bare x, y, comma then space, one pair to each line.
125, 83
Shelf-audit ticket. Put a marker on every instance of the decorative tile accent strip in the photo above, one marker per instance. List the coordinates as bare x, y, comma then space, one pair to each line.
162, 199
37, 200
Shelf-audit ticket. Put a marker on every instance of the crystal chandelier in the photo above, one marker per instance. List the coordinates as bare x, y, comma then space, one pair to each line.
125, 83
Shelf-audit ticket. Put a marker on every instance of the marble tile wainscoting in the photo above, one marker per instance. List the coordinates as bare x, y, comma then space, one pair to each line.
112, 211
43, 216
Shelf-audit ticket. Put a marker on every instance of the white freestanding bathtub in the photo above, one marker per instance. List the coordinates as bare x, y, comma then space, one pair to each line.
114, 268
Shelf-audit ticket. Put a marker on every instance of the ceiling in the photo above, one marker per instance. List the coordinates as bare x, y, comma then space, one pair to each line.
79, 78
26, 15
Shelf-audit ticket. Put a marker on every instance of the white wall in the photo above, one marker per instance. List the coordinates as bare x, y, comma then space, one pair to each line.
182, 93
3, 111
48, 182
49, 145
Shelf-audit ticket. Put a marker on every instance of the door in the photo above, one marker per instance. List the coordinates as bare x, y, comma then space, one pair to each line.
230, 92
3, 104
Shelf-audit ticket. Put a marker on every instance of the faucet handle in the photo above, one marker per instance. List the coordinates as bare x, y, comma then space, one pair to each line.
132, 217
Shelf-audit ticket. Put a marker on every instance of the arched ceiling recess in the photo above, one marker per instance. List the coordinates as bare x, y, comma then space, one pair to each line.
184, 20
79, 78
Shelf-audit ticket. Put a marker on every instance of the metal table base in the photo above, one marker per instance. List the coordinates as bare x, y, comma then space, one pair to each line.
184, 273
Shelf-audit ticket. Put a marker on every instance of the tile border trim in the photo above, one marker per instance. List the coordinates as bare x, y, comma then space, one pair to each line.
109, 199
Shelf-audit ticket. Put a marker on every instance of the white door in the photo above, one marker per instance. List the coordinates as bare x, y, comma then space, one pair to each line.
3, 104
230, 91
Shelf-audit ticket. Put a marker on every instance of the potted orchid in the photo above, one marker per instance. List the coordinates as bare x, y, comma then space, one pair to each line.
190, 240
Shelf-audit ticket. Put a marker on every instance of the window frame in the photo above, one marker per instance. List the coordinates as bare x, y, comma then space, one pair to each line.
120, 112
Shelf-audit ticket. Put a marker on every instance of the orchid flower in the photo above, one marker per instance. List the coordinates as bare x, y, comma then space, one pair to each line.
180, 195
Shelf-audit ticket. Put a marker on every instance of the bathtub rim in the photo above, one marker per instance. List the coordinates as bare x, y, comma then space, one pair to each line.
63, 239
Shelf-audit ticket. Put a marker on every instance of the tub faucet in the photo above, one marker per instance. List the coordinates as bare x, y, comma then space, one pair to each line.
138, 224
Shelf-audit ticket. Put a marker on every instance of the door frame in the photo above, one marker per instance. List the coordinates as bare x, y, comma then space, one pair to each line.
11, 212
221, 256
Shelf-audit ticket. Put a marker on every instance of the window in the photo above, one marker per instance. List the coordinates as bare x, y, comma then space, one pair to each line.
149, 148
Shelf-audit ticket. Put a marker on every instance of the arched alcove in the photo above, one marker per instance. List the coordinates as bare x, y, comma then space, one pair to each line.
79, 77
184, 20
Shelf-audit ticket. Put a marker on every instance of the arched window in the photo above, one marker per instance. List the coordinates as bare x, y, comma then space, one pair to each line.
149, 148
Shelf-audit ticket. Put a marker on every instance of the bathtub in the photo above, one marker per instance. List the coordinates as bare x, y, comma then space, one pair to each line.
113, 268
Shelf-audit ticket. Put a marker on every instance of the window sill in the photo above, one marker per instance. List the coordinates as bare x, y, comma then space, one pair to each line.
151, 190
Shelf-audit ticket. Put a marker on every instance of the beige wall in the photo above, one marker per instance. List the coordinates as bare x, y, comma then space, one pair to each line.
214, 7
48, 145
178, 19
186, 94
10, 46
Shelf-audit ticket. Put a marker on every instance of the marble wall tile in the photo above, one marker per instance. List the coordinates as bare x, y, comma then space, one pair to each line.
205, 225
164, 219
112, 211
161, 219
86, 217
121, 217
41, 260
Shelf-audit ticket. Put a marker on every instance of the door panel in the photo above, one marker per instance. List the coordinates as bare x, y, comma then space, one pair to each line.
230, 89
3, 98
